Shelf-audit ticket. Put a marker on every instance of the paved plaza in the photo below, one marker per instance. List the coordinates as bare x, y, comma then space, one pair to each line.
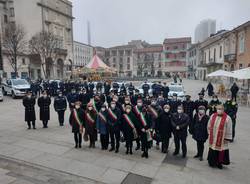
48, 155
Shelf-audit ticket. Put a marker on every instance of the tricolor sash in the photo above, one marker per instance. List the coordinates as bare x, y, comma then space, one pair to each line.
130, 123
220, 131
94, 105
90, 119
143, 119
102, 117
137, 111
153, 112
112, 114
75, 114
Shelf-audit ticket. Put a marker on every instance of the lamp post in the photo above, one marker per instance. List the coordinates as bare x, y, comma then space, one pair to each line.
1, 59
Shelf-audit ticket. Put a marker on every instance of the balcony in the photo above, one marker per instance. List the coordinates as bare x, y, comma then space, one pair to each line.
230, 58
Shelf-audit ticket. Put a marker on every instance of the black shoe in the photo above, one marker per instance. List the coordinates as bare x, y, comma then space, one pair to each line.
127, 151
80, 145
196, 156
201, 159
137, 148
111, 149
184, 156
76, 146
143, 154
34, 128
116, 151
146, 155
131, 153
220, 166
28, 128
175, 153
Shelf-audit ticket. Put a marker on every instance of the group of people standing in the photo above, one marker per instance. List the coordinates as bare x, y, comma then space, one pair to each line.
142, 119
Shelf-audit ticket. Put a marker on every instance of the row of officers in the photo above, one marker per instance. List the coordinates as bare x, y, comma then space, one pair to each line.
131, 118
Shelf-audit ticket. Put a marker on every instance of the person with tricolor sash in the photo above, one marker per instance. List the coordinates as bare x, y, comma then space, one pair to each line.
220, 133
114, 123
137, 111
96, 103
102, 127
129, 123
90, 124
76, 121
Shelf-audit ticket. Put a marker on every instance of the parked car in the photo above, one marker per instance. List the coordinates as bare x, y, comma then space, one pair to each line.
15, 87
1, 95
178, 89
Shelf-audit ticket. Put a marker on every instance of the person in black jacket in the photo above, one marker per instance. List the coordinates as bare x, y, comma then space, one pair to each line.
189, 106
199, 130
234, 90
210, 89
164, 127
44, 102
201, 102
114, 123
60, 105
76, 121
180, 122
165, 91
30, 115
84, 98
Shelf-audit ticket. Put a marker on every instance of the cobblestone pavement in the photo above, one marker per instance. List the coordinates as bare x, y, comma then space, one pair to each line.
48, 155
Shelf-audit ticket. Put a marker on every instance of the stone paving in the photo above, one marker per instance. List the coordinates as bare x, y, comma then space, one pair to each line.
48, 155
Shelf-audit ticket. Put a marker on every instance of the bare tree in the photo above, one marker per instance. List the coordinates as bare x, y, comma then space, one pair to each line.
14, 43
44, 44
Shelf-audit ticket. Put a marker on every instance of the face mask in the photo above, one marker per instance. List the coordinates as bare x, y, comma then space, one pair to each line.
112, 106
153, 103
44, 96
73, 91
201, 112
60, 95
219, 112
179, 111
166, 109
115, 99
77, 106
139, 104
201, 98
90, 108
103, 109
127, 111
126, 102
29, 96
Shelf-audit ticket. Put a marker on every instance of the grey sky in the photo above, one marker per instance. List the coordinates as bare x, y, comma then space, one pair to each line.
115, 22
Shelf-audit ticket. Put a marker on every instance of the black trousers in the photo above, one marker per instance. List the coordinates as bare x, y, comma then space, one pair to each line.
45, 124
115, 138
165, 144
200, 148
33, 124
61, 117
78, 138
129, 144
177, 140
104, 141
234, 97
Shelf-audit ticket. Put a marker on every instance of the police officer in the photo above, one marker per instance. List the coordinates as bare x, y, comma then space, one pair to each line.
72, 98
44, 102
231, 108
115, 87
145, 88
84, 98
189, 106
60, 105
165, 90
201, 102
131, 89
30, 115
212, 104
174, 103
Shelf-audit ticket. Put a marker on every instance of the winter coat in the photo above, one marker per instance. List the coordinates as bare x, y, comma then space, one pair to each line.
29, 104
181, 120
163, 125
199, 128
101, 124
73, 122
44, 104
60, 103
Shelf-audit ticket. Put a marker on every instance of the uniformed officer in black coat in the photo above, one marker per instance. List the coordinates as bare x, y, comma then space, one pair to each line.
29, 102
107, 88
165, 90
44, 102
180, 122
115, 87
201, 102
72, 98
174, 103
60, 105
145, 88
189, 106
131, 89
84, 98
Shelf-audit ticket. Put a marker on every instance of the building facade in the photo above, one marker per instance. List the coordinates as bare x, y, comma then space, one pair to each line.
193, 61
175, 55
204, 29
83, 54
52, 16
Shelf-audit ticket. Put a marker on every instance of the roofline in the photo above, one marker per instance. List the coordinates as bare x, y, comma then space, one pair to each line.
83, 44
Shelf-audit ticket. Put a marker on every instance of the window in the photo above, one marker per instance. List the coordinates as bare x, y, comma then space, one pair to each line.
128, 66
23, 61
12, 12
241, 44
175, 47
209, 55
240, 66
5, 19
128, 60
220, 51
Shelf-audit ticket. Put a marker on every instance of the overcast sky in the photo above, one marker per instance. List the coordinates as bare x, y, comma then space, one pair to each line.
115, 22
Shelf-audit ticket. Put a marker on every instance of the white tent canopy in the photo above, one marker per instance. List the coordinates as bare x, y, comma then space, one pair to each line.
242, 73
221, 73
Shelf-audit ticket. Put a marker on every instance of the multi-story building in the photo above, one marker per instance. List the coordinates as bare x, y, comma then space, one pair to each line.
148, 61
212, 54
83, 54
175, 55
45, 15
204, 29
193, 61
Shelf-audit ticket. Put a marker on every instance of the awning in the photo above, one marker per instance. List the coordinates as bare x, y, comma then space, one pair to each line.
221, 73
242, 73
